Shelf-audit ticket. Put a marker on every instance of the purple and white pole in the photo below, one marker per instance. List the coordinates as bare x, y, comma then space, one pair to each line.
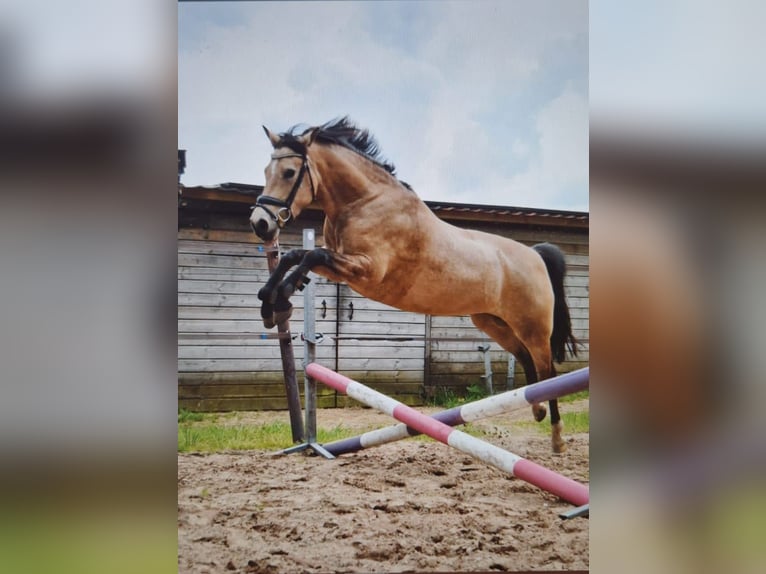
528, 471
560, 386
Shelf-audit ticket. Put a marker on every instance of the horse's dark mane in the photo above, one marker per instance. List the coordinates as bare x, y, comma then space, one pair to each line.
341, 131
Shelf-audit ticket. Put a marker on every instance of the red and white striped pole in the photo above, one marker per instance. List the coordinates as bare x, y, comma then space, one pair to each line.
528, 471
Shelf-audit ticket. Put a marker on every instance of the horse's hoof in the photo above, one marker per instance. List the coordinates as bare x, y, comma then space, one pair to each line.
539, 411
557, 442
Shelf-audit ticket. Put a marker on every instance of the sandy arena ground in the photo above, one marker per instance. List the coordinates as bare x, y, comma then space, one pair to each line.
407, 506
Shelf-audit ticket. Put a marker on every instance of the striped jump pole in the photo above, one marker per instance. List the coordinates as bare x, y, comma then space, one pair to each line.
528, 471
547, 390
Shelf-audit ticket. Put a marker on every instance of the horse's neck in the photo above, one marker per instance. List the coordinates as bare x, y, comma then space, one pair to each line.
345, 179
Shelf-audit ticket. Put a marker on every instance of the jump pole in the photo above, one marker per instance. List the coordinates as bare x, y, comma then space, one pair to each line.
309, 347
288, 358
561, 486
546, 390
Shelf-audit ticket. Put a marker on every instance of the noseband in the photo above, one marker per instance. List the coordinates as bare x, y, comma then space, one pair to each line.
284, 213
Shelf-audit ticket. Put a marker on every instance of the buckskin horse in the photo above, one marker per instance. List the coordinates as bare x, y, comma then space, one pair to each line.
386, 244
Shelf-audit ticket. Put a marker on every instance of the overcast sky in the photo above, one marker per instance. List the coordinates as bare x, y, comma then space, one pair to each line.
478, 102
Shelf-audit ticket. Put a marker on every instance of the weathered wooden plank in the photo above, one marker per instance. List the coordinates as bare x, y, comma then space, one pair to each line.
582, 280
225, 286
324, 352
576, 292
373, 377
345, 363
467, 346
220, 248
468, 356
582, 260
252, 312
365, 345
380, 364
266, 376
286, 237
217, 300
220, 274
362, 304
252, 326
277, 404
187, 391
477, 368
196, 234
224, 404
274, 377
239, 390
254, 261
350, 328
255, 326
260, 352
243, 339
565, 240
378, 316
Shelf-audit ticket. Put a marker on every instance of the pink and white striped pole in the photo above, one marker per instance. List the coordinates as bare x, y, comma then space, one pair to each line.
528, 471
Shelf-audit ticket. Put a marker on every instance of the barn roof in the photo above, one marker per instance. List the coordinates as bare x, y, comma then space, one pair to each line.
242, 193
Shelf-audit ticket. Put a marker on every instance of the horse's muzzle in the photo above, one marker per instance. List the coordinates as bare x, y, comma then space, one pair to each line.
263, 226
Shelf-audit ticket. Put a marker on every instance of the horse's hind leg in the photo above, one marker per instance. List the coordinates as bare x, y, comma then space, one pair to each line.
540, 351
535, 358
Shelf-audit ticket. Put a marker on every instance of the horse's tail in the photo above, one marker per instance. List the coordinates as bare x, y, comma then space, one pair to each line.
562, 337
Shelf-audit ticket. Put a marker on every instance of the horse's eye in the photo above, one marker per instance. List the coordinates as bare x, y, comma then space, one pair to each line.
288, 173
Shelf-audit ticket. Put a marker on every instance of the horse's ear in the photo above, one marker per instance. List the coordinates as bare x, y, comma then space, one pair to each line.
308, 137
273, 138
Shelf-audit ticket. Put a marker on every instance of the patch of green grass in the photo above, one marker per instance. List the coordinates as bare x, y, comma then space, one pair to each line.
446, 398
573, 423
577, 422
475, 393
213, 437
185, 416
575, 397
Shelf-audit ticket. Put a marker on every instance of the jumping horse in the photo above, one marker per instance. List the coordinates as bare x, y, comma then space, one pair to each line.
386, 244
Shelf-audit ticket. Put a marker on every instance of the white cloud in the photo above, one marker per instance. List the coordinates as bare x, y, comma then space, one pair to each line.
556, 170
520, 149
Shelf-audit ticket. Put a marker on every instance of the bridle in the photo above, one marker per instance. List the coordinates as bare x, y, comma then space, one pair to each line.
284, 213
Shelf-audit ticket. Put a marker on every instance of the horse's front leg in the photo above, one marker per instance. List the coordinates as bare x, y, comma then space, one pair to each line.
334, 266
298, 278
274, 308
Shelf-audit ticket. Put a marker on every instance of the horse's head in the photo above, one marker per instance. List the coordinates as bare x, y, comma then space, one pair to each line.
289, 184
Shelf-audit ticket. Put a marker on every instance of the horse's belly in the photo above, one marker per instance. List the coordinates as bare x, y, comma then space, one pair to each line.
428, 299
